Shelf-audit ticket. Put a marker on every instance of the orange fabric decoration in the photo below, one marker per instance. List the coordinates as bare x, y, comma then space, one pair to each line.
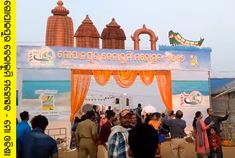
101, 76
125, 78
80, 83
165, 87
155, 123
147, 77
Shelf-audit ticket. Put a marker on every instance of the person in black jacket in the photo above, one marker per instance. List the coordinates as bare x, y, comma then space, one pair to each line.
216, 119
142, 141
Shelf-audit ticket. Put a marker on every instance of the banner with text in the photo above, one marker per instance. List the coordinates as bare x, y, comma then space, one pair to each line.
166, 58
8, 78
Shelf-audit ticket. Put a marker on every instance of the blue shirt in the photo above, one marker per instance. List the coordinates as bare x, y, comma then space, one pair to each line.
22, 128
177, 127
36, 144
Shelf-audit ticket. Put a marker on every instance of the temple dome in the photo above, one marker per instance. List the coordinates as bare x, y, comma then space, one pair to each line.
87, 35
87, 29
113, 37
113, 31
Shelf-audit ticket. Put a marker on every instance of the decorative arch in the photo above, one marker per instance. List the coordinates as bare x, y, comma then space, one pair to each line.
80, 82
144, 30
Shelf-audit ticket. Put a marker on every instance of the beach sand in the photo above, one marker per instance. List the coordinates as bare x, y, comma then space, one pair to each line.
61, 121
229, 152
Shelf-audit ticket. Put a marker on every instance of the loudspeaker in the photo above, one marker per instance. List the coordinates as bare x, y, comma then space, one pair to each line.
117, 100
127, 101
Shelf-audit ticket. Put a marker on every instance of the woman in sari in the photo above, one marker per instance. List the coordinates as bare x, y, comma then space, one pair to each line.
202, 146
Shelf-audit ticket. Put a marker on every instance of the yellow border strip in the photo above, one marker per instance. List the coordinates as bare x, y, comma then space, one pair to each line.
7, 78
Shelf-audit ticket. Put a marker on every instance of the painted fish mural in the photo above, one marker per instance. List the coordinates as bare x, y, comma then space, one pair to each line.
176, 39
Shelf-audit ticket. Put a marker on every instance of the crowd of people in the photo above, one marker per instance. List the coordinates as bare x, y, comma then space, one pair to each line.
34, 143
127, 134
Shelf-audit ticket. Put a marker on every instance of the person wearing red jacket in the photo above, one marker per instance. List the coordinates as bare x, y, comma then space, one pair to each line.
215, 144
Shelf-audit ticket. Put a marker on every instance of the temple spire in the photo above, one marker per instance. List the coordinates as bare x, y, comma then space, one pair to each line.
59, 27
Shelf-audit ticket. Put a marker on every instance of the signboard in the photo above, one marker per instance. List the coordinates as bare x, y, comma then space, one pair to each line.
166, 58
47, 99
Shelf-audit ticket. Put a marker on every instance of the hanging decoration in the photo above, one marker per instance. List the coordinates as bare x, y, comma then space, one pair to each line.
96, 98
147, 77
101, 76
125, 78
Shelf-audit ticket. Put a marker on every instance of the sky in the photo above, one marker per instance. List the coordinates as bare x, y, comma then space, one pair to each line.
211, 19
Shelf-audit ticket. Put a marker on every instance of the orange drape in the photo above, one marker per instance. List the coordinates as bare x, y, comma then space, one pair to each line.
147, 77
80, 83
125, 78
101, 76
165, 88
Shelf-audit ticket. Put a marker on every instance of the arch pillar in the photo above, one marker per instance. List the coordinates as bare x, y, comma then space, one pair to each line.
144, 30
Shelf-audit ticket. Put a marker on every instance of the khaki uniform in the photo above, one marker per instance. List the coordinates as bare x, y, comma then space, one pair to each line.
86, 137
178, 147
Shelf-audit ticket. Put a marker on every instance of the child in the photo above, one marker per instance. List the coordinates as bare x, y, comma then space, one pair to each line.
215, 143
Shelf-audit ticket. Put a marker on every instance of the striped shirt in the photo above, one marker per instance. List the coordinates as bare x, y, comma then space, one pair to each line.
118, 145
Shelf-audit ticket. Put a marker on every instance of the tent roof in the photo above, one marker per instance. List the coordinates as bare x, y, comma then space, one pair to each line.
222, 86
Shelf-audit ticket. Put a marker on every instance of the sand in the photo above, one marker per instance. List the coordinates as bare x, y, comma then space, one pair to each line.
229, 152
61, 121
